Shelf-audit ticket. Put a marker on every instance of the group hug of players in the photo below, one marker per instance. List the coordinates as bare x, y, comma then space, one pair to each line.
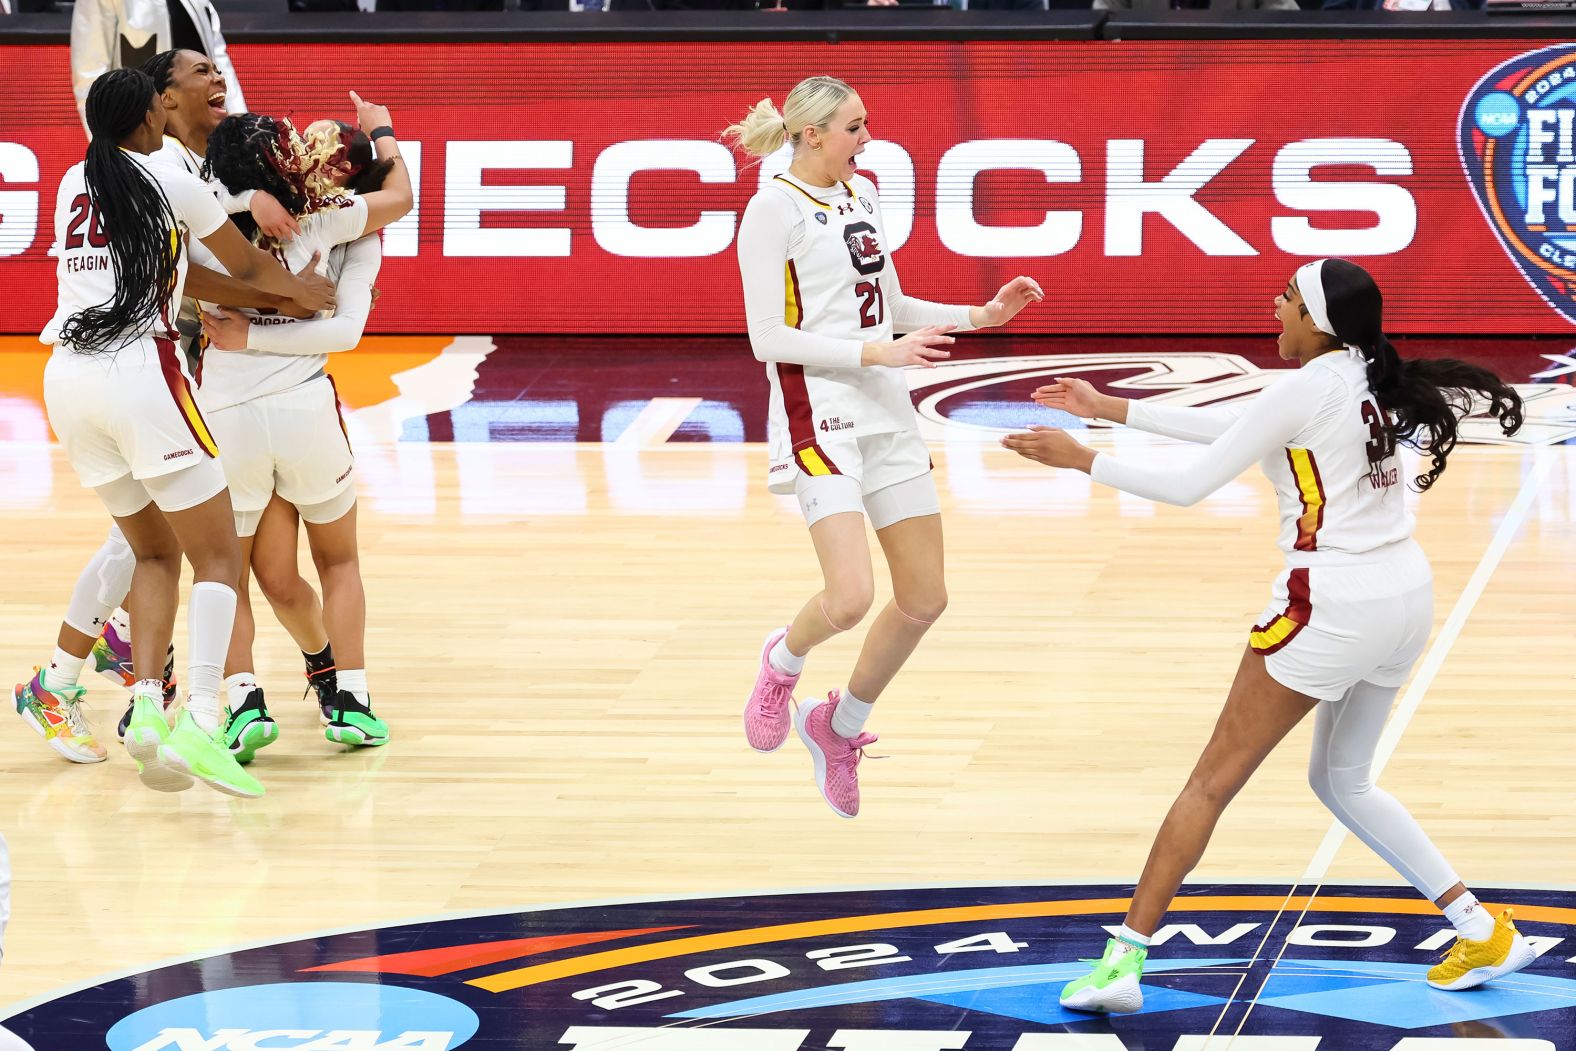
264, 241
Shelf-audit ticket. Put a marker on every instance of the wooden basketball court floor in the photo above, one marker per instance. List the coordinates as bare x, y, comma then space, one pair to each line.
562, 635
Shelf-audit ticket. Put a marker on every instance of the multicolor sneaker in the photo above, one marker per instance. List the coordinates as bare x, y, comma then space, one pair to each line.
836, 757
1112, 987
766, 712
57, 717
192, 750
1468, 963
111, 656
250, 728
351, 722
146, 732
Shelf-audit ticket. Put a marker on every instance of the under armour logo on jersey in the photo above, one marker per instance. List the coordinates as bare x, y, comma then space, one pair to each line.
846, 208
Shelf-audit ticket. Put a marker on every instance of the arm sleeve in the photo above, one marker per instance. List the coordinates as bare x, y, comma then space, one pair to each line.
343, 225
92, 48
1270, 421
1184, 422
363, 258
234, 203
192, 201
763, 261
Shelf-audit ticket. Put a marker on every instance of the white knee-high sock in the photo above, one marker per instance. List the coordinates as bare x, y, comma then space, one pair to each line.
209, 620
102, 584
1344, 738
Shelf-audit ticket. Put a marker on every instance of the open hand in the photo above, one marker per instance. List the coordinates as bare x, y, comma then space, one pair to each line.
1013, 297
1052, 447
920, 347
272, 218
1071, 395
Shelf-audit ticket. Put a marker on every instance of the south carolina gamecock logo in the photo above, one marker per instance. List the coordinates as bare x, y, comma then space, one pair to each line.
1517, 136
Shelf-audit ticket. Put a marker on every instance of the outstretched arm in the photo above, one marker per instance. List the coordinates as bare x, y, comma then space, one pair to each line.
1269, 422
1078, 397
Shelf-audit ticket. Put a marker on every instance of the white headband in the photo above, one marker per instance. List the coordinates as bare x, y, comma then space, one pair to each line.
1310, 282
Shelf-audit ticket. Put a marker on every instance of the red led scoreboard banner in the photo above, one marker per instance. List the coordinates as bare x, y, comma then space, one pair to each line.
1150, 187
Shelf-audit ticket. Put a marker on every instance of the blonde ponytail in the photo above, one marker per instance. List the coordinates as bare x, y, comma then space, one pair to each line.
761, 132
813, 101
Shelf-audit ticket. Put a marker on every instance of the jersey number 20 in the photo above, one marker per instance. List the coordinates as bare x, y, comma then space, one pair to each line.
872, 309
82, 211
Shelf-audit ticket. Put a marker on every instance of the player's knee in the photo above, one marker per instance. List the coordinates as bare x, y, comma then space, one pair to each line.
922, 607
280, 585
846, 606
1338, 788
1211, 789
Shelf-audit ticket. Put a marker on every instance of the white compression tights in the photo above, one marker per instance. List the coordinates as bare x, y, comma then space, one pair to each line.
1344, 739
102, 584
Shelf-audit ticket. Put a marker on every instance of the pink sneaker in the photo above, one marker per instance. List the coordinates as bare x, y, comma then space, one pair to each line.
766, 712
836, 757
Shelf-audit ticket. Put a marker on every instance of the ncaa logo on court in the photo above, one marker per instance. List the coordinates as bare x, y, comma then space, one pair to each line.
1252, 967
1517, 139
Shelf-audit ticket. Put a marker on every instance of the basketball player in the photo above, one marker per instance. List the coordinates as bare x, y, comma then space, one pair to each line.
271, 552
273, 405
822, 299
120, 400
192, 92
1350, 613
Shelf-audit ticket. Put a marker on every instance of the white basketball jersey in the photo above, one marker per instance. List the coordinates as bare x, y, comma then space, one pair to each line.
233, 376
833, 285
85, 272
1339, 482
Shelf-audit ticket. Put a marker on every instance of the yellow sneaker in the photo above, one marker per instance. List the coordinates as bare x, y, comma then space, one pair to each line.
1470, 964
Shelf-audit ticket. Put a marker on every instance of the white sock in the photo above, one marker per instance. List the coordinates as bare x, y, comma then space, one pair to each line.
64, 670
238, 687
354, 682
849, 718
1470, 919
1129, 940
204, 712
208, 620
783, 660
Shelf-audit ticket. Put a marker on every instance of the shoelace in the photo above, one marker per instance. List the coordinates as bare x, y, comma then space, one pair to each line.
76, 720
776, 699
848, 762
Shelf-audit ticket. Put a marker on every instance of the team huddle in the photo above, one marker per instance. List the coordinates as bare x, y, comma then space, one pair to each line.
209, 264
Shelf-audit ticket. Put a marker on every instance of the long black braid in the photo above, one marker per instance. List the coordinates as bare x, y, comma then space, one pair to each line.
134, 215
242, 154
1424, 400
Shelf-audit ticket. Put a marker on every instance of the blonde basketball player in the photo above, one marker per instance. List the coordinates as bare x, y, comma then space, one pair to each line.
1350, 613
822, 299
120, 400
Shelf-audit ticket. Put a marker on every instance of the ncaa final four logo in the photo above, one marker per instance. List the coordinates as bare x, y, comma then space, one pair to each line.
1517, 136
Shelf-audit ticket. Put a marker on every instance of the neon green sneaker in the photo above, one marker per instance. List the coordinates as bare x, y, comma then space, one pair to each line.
351, 722
250, 728
205, 756
146, 730
1112, 987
